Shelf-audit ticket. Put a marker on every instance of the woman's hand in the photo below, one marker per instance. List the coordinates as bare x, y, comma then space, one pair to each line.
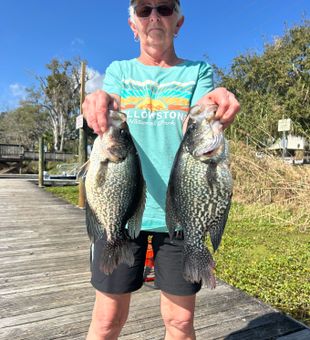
95, 109
228, 105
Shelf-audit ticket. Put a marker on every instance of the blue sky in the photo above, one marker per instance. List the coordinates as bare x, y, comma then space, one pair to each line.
32, 32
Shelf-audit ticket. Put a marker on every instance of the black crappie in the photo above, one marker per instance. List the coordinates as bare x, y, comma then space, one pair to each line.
115, 191
199, 193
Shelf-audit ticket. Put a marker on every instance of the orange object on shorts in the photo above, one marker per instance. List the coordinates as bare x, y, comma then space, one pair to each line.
149, 262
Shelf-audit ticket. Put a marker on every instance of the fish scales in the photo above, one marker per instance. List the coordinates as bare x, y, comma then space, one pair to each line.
109, 197
115, 191
198, 196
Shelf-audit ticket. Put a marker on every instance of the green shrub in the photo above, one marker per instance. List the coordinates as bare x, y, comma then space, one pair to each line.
266, 258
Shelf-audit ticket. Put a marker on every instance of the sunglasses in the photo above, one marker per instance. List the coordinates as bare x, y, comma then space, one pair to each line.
162, 10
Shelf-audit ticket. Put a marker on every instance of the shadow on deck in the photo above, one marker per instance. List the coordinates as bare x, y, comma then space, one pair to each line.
45, 291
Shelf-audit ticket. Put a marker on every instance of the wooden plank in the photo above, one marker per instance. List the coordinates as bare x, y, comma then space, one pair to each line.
19, 304
52, 326
45, 291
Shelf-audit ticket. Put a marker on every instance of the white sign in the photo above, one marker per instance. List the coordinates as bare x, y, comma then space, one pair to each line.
79, 122
284, 125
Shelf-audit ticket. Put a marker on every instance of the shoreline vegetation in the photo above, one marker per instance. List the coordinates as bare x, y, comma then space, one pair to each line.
265, 247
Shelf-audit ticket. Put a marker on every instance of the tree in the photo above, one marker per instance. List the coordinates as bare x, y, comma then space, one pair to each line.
23, 125
59, 95
2, 129
272, 85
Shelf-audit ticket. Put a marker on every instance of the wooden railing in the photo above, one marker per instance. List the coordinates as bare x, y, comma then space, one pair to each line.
14, 153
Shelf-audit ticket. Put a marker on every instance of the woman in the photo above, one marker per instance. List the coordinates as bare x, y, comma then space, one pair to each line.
155, 91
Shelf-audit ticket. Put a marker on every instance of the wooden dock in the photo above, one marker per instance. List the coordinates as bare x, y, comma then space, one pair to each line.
45, 291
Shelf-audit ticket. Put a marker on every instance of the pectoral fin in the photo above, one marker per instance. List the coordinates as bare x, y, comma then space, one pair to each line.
83, 170
101, 174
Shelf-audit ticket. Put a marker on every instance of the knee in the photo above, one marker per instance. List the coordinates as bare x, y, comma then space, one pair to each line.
109, 316
105, 328
179, 325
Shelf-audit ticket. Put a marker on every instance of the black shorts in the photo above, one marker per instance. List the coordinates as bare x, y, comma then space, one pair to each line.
168, 267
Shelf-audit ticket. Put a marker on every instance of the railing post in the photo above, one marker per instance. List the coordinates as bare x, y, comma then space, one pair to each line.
41, 162
82, 140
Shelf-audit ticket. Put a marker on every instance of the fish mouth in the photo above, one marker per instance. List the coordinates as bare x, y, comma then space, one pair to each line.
212, 141
210, 148
116, 118
199, 113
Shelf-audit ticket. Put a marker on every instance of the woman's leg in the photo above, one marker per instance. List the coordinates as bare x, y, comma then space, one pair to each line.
109, 316
178, 315
178, 296
113, 291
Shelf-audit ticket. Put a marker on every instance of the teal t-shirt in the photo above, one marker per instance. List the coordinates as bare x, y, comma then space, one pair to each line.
156, 101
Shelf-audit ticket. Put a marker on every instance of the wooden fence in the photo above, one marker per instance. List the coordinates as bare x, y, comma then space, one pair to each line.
15, 153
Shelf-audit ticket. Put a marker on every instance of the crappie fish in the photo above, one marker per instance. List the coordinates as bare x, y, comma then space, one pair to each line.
199, 193
115, 192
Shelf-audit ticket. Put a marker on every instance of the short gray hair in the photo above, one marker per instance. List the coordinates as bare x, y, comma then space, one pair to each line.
131, 9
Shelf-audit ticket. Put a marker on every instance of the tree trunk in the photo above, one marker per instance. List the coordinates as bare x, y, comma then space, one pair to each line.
62, 131
62, 139
56, 136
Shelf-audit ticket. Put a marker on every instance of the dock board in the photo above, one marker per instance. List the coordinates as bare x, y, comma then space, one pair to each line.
45, 291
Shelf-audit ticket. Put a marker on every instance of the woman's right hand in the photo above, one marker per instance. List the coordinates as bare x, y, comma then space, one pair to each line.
95, 109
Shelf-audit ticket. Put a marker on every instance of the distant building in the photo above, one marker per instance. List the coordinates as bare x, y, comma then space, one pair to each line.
292, 143
296, 148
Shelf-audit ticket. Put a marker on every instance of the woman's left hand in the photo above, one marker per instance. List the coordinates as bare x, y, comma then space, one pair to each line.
228, 105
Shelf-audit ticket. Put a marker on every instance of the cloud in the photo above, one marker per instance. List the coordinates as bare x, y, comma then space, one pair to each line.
11, 96
77, 42
77, 45
18, 91
95, 80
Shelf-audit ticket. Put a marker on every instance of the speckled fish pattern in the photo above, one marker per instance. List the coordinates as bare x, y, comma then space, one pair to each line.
198, 202
115, 191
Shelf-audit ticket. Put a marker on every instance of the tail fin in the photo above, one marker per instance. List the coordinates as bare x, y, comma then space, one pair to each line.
199, 265
114, 253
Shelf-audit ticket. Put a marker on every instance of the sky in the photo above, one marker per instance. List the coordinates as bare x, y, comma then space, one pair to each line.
33, 32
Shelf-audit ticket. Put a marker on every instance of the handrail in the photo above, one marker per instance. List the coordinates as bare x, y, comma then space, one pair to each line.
18, 152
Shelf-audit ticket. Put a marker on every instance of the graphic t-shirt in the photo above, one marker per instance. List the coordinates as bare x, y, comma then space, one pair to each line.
156, 101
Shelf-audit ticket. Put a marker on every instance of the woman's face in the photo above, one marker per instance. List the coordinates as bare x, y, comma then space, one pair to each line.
156, 30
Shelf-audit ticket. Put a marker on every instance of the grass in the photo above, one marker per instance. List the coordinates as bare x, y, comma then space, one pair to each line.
267, 258
68, 193
263, 252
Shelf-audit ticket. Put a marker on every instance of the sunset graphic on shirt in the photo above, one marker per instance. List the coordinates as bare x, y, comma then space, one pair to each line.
151, 96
